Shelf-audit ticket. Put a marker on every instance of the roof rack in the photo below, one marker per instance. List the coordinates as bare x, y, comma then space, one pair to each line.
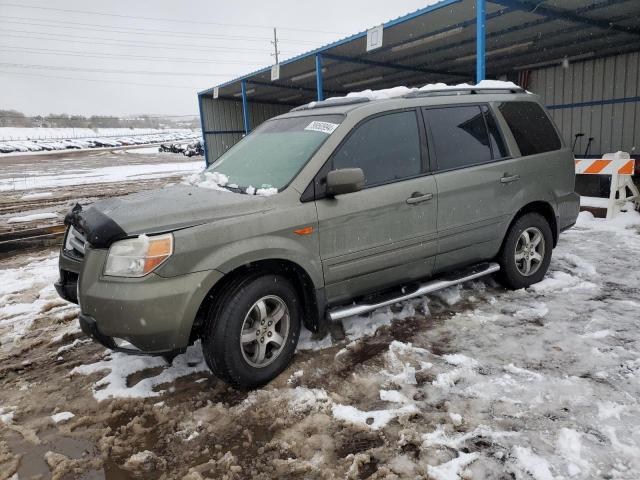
464, 91
333, 102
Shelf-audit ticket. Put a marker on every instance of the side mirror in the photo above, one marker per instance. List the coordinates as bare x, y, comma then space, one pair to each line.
344, 180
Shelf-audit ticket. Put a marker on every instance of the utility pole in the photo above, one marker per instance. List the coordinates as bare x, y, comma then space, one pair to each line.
275, 45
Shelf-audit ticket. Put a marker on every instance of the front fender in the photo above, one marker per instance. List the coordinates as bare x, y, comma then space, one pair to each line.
269, 247
236, 241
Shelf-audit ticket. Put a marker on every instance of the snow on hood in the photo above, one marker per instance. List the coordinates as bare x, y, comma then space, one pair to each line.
395, 92
219, 181
212, 180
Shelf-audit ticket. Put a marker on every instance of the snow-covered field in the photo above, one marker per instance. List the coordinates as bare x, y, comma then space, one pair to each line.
36, 179
475, 382
19, 133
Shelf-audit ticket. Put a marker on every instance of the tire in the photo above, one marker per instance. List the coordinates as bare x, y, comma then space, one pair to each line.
245, 309
516, 253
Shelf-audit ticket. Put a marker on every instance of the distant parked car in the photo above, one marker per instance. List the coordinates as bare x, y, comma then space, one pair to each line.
32, 146
70, 144
194, 149
18, 147
6, 148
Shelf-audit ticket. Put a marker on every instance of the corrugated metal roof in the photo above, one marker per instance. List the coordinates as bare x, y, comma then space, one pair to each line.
437, 43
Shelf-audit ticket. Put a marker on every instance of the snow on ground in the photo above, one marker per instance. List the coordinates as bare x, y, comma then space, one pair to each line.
144, 151
475, 382
598, 202
62, 417
33, 217
36, 196
32, 178
120, 366
27, 292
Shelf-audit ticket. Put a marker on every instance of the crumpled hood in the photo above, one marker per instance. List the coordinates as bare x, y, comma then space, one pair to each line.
158, 211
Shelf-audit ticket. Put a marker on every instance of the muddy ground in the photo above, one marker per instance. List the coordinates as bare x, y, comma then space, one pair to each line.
475, 382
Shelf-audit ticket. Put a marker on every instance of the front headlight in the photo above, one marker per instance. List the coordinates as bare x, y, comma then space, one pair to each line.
136, 257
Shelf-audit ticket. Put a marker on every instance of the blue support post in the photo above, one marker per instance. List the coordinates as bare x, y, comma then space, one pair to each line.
204, 136
245, 107
319, 87
481, 19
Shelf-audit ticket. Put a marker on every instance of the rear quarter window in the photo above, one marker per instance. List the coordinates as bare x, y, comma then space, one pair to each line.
533, 131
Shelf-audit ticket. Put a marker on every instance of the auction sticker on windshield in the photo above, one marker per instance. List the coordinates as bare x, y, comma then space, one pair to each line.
324, 127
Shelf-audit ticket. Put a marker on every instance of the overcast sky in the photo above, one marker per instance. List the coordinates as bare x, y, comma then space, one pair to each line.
55, 58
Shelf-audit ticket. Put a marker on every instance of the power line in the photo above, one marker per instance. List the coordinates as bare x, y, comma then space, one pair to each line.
137, 42
160, 19
110, 70
134, 45
141, 31
99, 80
46, 51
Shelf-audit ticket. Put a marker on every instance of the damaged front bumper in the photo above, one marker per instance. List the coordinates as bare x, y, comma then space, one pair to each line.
89, 326
152, 314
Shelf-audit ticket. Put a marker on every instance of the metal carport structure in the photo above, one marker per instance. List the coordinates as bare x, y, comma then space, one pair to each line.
452, 41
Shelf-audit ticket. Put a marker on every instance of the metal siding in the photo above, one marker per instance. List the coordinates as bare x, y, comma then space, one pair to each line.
629, 128
618, 92
613, 126
225, 115
577, 96
221, 115
596, 110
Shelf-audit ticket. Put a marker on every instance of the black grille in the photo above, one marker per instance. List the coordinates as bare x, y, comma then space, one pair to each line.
74, 244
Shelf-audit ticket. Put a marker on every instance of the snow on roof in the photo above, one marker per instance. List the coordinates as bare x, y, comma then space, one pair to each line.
400, 91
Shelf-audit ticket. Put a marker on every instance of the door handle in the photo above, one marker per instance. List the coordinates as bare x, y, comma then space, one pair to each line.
417, 197
510, 178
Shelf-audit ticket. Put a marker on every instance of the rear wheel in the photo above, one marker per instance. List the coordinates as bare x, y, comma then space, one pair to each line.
526, 252
251, 334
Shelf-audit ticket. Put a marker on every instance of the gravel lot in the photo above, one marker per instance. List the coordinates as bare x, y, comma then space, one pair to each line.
474, 382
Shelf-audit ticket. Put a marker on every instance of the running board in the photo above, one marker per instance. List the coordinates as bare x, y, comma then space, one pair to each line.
428, 287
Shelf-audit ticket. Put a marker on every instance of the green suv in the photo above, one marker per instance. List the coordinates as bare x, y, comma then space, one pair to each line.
331, 210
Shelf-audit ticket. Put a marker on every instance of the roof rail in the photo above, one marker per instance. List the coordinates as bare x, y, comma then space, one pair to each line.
464, 91
332, 102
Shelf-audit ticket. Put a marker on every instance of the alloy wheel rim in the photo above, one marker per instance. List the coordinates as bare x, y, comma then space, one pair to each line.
264, 331
529, 252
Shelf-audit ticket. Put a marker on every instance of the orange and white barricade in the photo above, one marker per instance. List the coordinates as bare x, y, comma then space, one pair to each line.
620, 166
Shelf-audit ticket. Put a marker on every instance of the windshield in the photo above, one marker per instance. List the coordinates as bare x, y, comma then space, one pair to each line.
275, 152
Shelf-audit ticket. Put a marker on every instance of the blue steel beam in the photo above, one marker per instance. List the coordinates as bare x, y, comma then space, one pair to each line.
527, 57
533, 38
592, 103
291, 87
504, 63
489, 35
319, 87
245, 107
481, 25
566, 15
204, 134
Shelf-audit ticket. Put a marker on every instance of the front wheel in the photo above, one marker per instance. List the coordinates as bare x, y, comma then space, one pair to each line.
526, 252
251, 334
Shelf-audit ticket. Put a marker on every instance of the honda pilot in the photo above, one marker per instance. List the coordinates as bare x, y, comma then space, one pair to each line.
332, 210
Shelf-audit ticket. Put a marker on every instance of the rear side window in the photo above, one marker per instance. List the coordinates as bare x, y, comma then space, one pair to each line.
533, 131
459, 135
386, 148
497, 144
